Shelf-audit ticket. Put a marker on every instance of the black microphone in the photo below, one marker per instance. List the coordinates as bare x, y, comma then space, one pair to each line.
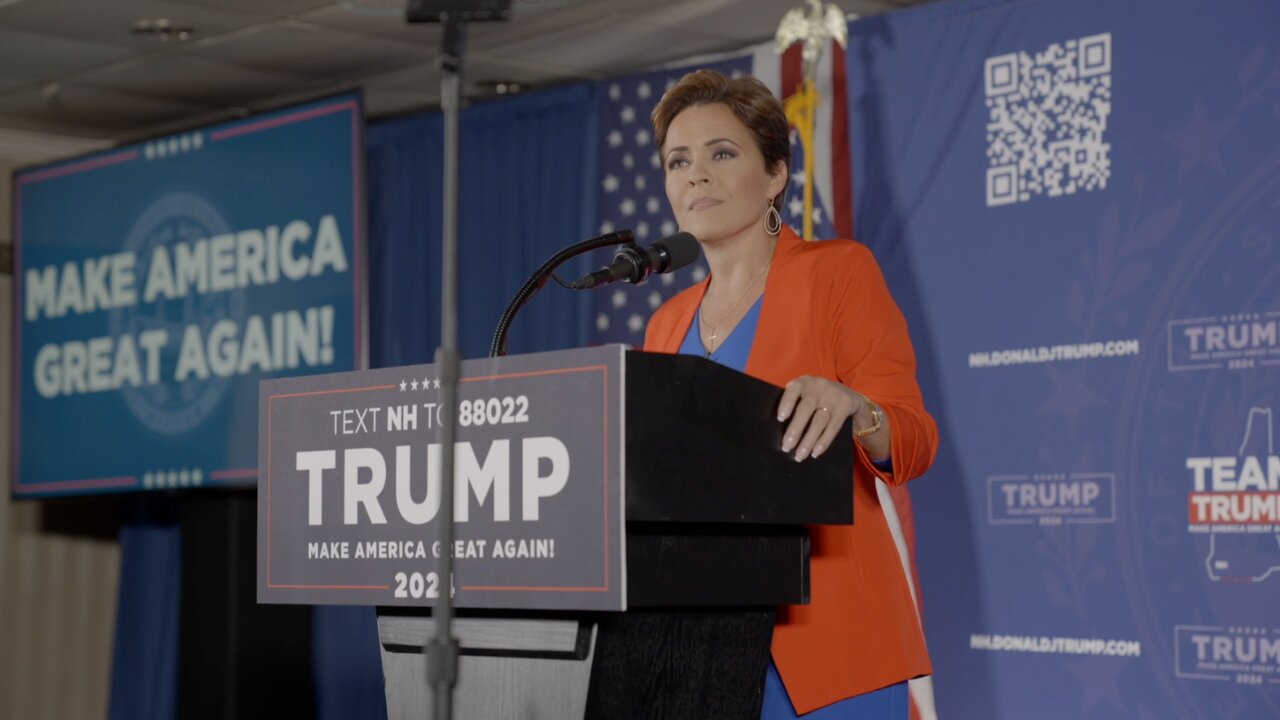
633, 263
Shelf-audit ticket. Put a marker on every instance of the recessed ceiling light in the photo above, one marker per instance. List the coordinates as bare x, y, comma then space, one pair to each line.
162, 28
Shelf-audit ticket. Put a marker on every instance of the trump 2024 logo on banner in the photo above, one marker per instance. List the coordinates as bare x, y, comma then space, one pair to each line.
157, 283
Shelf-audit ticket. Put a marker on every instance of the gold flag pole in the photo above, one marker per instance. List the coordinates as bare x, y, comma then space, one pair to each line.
813, 30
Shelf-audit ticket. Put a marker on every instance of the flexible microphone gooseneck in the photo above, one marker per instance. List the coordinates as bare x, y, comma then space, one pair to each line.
498, 347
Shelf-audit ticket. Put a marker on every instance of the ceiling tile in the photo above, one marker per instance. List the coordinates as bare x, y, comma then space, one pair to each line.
46, 56
260, 8
380, 22
196, 80
310, 51
99, 21
95, 109
8, 82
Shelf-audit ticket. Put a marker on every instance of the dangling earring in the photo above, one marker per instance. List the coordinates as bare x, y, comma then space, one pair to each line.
772, 220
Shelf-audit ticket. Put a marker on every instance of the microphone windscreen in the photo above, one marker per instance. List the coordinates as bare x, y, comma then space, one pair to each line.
682, 248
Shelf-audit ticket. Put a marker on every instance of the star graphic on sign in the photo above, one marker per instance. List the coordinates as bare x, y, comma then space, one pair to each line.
655, 161
628, 161
619, 298
653, 206
615, 91
640, 182
655, 299
615, 138
413, 385
796, 206
1197, 144
668, 278
642, 230
436, 383
1071, 394
642, 137
635, 323
627, 207
606, 227
668, 227
643, 91
699, 273
610, 183
426, 384
403, 385
628, 114
602, 322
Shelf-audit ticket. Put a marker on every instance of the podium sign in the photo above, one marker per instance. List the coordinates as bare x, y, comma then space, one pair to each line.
349, 485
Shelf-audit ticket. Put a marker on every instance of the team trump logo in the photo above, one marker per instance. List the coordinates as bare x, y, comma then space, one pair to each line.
1235, 500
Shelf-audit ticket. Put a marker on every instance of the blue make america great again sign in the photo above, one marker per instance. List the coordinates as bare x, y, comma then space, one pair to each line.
155, 284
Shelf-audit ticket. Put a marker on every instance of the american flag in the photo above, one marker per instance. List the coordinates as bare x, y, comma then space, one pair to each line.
631, 190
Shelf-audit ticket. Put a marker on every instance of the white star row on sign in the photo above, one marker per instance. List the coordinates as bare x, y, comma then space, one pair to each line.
186, 477
173, 146
427, 384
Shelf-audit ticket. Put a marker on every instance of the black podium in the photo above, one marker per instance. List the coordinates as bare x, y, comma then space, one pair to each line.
716, 538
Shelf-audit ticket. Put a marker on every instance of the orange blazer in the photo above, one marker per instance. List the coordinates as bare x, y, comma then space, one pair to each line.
827, 312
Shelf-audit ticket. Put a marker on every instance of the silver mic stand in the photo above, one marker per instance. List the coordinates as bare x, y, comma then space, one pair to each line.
442, 649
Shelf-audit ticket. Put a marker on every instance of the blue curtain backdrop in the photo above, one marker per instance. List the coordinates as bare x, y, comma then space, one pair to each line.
144, 663
527, 177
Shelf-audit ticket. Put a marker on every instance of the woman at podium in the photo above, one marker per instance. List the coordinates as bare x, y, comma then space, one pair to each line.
818, 319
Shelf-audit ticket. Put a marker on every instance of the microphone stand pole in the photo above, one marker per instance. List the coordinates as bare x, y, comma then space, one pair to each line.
442, 650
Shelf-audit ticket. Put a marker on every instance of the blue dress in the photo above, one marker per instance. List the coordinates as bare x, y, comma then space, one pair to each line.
884, 704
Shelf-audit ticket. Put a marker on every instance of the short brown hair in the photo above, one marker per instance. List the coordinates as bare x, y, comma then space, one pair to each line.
751, 102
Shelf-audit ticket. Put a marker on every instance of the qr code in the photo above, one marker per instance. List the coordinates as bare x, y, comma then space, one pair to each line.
1048, 120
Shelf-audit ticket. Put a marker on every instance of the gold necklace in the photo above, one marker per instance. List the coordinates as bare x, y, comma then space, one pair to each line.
710, 348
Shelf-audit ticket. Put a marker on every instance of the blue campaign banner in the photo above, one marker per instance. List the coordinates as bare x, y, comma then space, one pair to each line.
1076, 205
155, 284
